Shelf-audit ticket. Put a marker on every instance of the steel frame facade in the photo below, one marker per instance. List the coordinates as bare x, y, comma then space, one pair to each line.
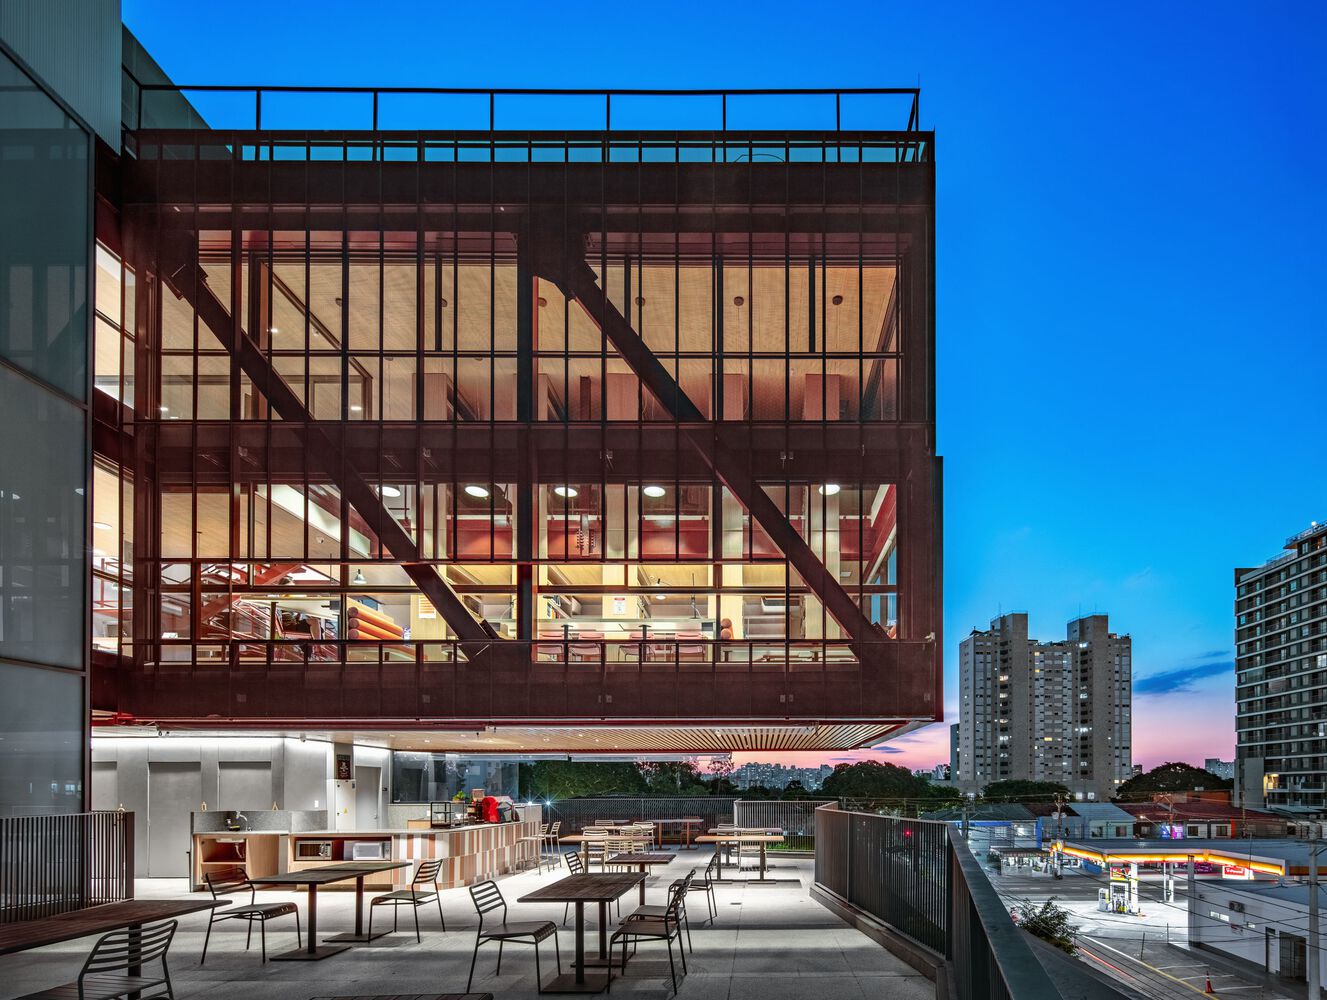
216, 227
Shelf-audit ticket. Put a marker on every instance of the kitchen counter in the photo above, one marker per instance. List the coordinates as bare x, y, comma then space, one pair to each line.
469, 853
397, 831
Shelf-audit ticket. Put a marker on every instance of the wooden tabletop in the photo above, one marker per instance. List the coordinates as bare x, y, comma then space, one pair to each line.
586, 888
27, 934
743, 838
643, 858
331, 873
413, 996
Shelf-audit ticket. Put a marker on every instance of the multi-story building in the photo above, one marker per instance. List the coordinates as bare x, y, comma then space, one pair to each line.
1281, 677
1221, 768
1046, 711
506, 432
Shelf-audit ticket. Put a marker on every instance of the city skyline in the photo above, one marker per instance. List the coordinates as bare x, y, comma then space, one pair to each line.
1065, 260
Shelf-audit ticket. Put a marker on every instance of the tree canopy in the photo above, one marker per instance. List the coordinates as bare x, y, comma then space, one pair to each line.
1022, 790
872, 779
1172, 776
568, 779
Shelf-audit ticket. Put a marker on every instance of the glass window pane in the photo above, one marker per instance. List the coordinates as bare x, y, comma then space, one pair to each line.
43, 564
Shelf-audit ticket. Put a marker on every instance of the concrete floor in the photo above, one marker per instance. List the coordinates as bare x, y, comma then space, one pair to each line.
768, 942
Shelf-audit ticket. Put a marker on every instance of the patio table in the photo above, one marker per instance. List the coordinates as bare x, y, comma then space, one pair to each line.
643, 862
582, 889
325, 875
763, 839
686, 823
25, 934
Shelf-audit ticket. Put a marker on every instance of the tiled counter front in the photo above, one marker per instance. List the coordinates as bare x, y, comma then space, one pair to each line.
470, 854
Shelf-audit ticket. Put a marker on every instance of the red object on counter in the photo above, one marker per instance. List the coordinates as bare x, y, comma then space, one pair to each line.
488, 809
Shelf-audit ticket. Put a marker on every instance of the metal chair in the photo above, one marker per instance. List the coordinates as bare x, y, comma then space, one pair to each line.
664, 928
595, 847
706, 884
233, 880
614, 846
684, 884
105, 973
414, 897
487, 898
551, 843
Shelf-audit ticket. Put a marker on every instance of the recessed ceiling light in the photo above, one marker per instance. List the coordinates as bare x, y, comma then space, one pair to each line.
165, 408
837, 300
654, 491
356, 408
566, 491
274, 329
658, 597
395, 491
738, 300
829, 489
478, 492
640, 300
101, 525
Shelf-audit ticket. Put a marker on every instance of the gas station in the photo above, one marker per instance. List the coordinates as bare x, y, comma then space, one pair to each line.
1124, 861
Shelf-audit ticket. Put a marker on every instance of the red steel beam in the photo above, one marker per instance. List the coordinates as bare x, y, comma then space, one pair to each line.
563, 263
354, 487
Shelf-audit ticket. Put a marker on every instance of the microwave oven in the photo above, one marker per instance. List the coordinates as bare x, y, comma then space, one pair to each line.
370, 850
313, 850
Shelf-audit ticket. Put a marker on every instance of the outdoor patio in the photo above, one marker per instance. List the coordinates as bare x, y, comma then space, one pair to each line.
768, 941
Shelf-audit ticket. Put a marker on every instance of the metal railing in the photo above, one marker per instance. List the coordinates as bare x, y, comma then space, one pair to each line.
54, 864
576, 814
795, 817
495, 109
918, 877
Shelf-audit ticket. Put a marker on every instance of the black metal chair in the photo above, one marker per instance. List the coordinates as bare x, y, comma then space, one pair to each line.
636, 927
656, 911
105, 973
414, 897
233, 880
706, 884
487, 898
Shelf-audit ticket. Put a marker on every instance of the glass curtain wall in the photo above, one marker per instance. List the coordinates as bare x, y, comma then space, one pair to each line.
405, 347
45, 250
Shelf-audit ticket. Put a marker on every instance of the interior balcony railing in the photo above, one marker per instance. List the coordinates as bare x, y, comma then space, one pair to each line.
609, 680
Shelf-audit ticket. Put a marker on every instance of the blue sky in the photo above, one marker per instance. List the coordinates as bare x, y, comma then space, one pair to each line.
1130, 202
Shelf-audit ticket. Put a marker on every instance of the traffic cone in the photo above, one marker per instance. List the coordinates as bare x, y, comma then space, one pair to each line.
1208, 989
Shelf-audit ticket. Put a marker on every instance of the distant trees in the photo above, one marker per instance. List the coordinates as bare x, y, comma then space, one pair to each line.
568, 779
1022, 790
871, 779
1172, 776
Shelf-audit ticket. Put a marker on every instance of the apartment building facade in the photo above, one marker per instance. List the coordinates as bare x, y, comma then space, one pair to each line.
1046, 711
1281, 677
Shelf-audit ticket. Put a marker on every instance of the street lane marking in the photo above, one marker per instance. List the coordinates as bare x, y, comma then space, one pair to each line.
1139, 961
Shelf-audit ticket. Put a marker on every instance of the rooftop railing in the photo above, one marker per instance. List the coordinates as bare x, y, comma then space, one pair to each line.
470, 109
920, 880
